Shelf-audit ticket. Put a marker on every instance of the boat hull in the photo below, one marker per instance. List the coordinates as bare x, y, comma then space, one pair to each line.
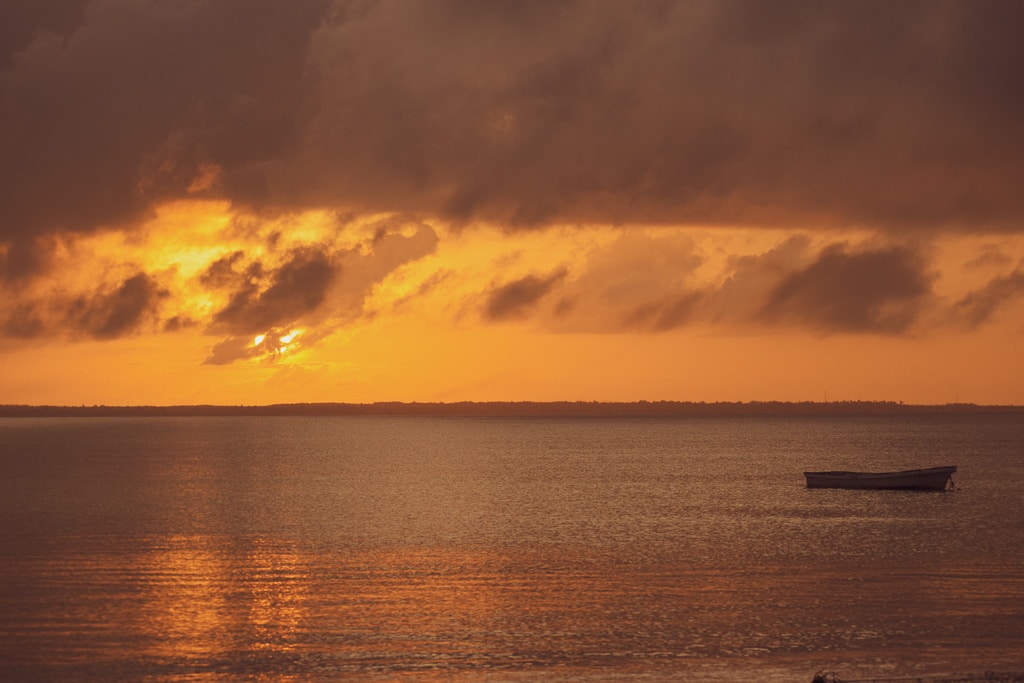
927, 479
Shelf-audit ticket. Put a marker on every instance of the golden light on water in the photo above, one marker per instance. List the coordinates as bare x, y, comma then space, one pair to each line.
327, 201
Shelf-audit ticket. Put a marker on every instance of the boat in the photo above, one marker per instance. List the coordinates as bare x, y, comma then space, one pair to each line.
927, 479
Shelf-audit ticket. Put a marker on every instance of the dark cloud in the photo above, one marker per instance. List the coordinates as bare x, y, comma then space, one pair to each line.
223, 272
787, 112
295, 289
111, 314
979, 306
24, 258
125, 102
109, 311
881, 291
835, 289
799, 113
517, 298
24, 322
21, 22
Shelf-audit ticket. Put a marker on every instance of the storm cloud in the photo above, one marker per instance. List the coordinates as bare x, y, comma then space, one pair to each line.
808, 114
109, 106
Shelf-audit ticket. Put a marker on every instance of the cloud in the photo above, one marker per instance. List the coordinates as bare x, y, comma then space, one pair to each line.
312, 291
105, 313
296, 288
316, 277
235, 275
21, 21
648, 283
396, 241
665, 314
230, 350
639, 281
878, 291
516, 298
23, 259
119, 312
989, 255
980, 306
269, 346
736, 299
23, 322
806, 113
743, 295
820, 118
222, 272
795, 113
108, 106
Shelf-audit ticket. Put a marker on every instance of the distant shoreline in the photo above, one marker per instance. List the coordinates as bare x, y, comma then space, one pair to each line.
520, 409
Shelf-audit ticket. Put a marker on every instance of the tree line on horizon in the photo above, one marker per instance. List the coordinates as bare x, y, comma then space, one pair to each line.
514, 409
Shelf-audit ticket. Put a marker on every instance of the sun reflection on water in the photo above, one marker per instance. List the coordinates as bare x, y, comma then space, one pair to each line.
508, 550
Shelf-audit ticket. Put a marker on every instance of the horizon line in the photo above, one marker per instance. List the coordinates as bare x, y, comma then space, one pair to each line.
639, 408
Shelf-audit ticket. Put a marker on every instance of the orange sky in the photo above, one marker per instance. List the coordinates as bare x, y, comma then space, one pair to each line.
332, 201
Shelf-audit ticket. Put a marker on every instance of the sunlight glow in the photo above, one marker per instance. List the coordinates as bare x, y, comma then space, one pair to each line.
403, 313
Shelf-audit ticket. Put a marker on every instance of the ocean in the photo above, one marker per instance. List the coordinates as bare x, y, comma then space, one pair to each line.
505, 549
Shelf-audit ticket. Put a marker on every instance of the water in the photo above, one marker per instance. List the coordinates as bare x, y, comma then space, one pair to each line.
446, 549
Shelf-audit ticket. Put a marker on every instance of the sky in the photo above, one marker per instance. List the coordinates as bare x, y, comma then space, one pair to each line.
259, 201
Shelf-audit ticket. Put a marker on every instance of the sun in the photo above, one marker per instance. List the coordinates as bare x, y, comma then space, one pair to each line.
285, 341
272, 344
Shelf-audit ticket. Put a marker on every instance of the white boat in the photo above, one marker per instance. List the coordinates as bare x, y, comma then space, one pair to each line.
927, 479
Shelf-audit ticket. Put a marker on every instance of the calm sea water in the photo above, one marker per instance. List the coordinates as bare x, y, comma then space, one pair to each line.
422, 549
